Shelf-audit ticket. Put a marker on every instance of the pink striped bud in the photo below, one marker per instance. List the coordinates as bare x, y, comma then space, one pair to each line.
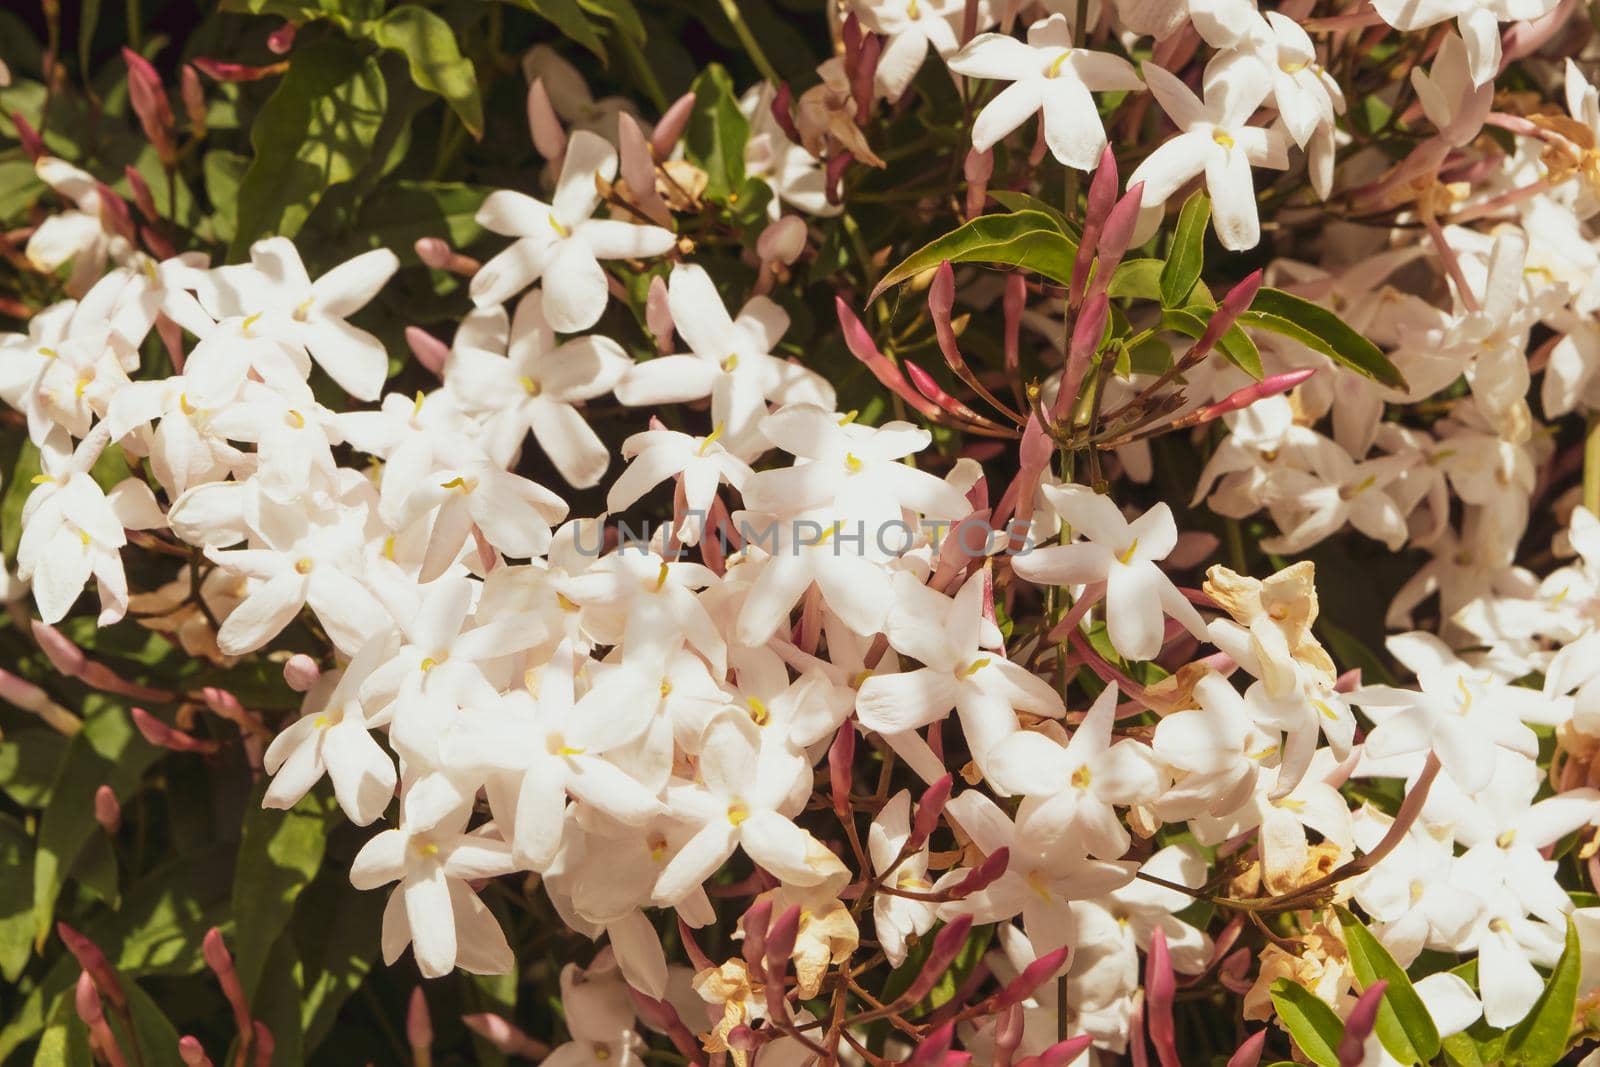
947, 945
929, 388
841, 768
1087, 331
114, 212
220, 960
1243, 398
192, 1053
280, 40
265, 1044
171, 738
658, 314
107, 809
93, 960
1228, 311
31, 698
301, 672
1248, 1054
1014, 304
852, 35
141, 193
984, 874
861, 85
1098, 204
781, 938
1160, 985
1032, 977
755, 921
149, 101
194, 100
429, 350
87, 1000
434, 252
691, 947
673, 122
1059, 1054
70, 660
1359, 1023
549, 138
862, 346
419, 1024
930, 806
931, 1051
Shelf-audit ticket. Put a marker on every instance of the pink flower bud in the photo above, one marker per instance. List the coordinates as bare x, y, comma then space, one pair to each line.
691, 947
93, 960
755, 921
280, 40
861, 83
1032, 977
833, 176
930, 806
419, 1024
114, 212
1243, 398
781, 937
1228, 311
141, 193
1248, 1053
86, 1000
434, 252
947, 945
264, 1044
673, 122
1059, 1054
194, 100
161, 735
783, 112
851, 35
192, 1053
429, 350
931, 1052
70, 660
1086, 334
841, 768
1359, 1023
638, 170
549, 138
150, 103
978, 168
31, 698
1160, 984
861, 345
220, 960
984, 874
782, 241
301, 672
107, 810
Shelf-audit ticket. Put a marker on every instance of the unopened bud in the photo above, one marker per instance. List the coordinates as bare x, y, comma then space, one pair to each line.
429, 350
194, 100
86, 999
419, 1026
658, 314
549, 138
977, 169
665, 136
841, 768
192, 1053
31, 142
929, 808
782, 241
280, 40
301, 672
107, 810
141, 193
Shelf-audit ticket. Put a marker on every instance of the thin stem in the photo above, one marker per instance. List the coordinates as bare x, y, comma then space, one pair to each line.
730, 8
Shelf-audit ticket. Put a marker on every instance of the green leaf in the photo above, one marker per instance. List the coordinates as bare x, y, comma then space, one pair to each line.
1026, 239
278, 856
17, 489
224, 171
1137, 278
1403, 1024
107, 751
1540, 1039
1312, 1024
16, 903
569, 19
715, 138
1186, 257
1015, 201
1322, 331
436, 62
316, 131
399, 212
623, 15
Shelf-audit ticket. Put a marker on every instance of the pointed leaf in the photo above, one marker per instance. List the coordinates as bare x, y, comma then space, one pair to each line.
1312, 1024
1540, 1039
1186, 257
1027, 239
1403, 1025
1322, 331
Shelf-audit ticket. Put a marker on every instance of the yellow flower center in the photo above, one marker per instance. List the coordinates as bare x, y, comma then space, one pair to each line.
758, 711
1223, 138
303, 565
1126, 555
555, 224
710, 439
1057, 63
532, 387
737, 813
